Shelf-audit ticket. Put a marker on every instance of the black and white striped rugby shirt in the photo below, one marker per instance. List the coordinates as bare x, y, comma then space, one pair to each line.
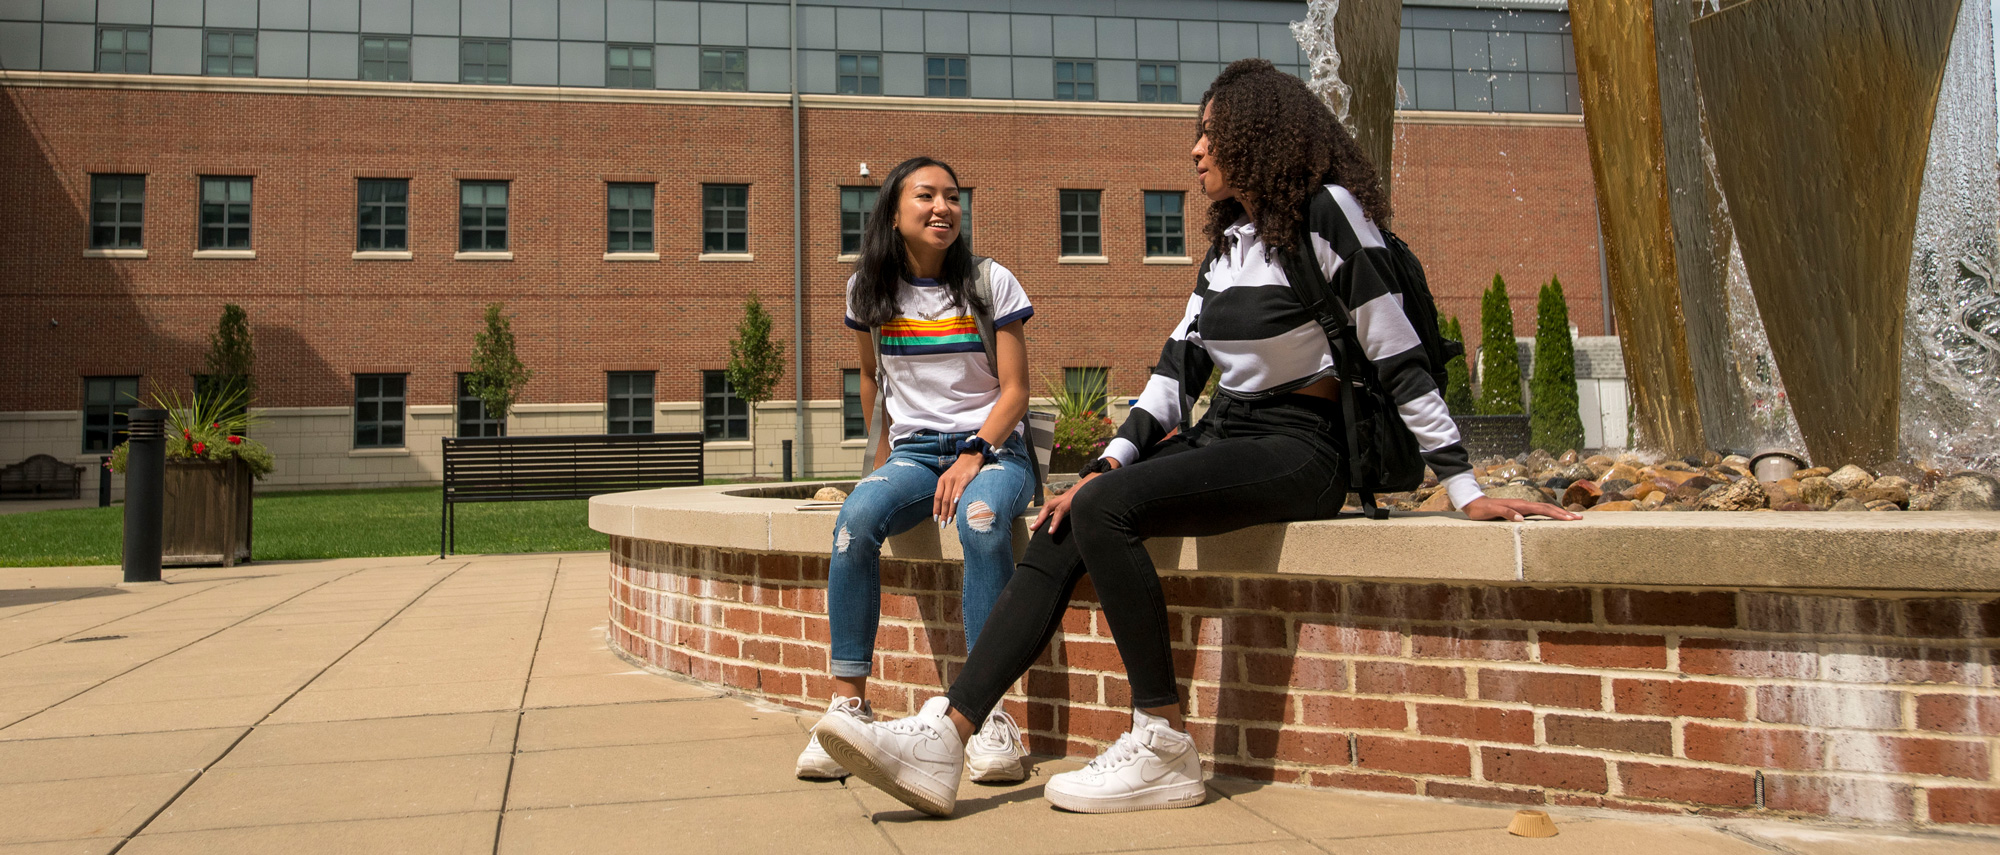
1245, 320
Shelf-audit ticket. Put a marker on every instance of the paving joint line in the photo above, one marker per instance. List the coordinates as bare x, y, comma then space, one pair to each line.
1768, 845
141, 828
95, 593
1231, 798
521, 707
164, 603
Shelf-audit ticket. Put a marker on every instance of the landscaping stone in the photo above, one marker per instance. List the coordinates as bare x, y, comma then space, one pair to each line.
1848, 505
1851, 477
1528, 492
829, 494
1818, 492
1744, 495
1968, 491
1620, 505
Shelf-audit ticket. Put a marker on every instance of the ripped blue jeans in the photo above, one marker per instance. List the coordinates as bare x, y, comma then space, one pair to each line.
896, 498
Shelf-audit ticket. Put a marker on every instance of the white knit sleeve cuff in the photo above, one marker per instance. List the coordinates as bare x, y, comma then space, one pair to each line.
1463, 489
1121, 450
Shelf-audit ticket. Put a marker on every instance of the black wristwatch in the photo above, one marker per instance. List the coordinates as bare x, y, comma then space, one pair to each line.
977, 444
1101, 464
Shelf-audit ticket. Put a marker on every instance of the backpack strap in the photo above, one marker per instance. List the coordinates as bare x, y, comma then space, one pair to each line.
982, 290
878, 421
1309, 282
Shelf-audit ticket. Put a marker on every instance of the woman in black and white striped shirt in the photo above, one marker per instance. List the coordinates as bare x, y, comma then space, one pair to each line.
1278, 168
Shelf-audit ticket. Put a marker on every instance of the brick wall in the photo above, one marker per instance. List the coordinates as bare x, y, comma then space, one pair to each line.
1872, 706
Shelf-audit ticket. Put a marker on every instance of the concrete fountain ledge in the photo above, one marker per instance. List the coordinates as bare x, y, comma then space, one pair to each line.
1937, 551
1842, 666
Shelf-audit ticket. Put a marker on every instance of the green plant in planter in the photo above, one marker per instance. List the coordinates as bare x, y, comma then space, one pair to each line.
1499, 360
1081, 429
207, 426
1458, 377
1555, 421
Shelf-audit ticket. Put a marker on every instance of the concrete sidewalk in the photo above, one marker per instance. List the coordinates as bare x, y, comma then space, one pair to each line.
470, 705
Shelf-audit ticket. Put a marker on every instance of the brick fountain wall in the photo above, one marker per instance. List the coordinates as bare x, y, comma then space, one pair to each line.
1869, 705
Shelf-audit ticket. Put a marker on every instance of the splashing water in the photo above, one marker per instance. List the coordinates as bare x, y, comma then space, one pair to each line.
1315, 35
1951, 337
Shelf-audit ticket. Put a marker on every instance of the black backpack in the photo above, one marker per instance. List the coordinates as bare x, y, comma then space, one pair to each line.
1382, 454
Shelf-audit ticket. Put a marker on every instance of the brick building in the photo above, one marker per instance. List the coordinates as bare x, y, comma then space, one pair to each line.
363, 176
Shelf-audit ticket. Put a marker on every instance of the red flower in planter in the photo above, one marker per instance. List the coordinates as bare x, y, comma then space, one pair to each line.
236, 440
187, 434
217, 425
200, 448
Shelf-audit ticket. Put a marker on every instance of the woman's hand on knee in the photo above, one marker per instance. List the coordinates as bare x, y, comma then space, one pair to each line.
1056, 509
951, 485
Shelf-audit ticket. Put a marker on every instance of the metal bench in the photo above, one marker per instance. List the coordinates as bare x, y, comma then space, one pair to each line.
41, 477
541, 468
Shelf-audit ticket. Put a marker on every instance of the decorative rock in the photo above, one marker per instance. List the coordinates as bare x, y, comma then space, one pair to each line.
1782, 492
1687, 464
1892, 481
829, 494
1570, 457
1851, 477
1585, 493
1621, 472
1438, 501
1877, 493
1795, 506
1968, 491
1677, 477
1848, 505
1923, 501
1883, 505
1744, 495
1528, 492
1507, 471
1736, 460
1614, 496
1599, 464
1818, 492
1816, 471
1616, 485
1652, 500
1577, 472
1621, 505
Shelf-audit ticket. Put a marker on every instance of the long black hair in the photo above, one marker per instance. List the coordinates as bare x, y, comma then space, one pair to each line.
885, 261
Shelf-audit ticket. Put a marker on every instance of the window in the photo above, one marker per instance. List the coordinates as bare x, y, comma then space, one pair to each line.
628, 402
724, 70
117, 211
225, 213
1094, 382
105, 402
378, 410
472, 418
124, 50
1159, 82
858, 74
383, 222
856, 203
723, 415
965, 215
1166, 233
1076, 81
1531, 69
385, 58
482, 216
945, 77
629, 213
1081, 232
628, 66
231, 54
725, 218
484, 61
853, 423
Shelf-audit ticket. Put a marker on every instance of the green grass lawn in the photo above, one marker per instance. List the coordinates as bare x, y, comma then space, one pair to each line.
319, 524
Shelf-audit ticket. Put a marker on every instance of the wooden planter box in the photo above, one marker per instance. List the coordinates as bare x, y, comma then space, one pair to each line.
207, 508
1489, 436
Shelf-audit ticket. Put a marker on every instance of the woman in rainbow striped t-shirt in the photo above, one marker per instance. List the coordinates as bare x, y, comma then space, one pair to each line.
957, 451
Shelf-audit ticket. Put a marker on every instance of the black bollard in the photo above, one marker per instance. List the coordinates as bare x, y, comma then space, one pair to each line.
104, 481
788, 459
145, 489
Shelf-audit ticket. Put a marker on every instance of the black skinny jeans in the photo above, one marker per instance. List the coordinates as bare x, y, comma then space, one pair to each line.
1244, 464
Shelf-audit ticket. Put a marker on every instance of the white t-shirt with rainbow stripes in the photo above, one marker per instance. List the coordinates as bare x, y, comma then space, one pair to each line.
935, 364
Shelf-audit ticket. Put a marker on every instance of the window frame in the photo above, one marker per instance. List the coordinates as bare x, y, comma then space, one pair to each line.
383, 208
388, 62
1088, 236
1172, 226
1076, 66
110, 432
229, 206
947, 78
722, 75
611, 66
120, 205
635, 413
476, 419
860, 77
382, 400
965, 215
854, 221
207, 56
125, 51
1158, 85
486, 65
726, 398
630, 230
723, 208
485, 228
853, 422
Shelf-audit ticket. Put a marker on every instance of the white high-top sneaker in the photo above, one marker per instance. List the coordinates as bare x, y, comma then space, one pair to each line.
1152, 766
996, 755
814, 763
917, 759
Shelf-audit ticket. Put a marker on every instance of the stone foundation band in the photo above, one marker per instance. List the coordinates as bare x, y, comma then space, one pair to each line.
943, 361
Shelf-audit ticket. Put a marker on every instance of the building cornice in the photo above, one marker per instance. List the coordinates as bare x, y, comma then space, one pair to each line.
679, 97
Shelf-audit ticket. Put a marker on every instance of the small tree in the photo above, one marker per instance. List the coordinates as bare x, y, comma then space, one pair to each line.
755, 362
1499, 362
230, 357
1458, 377
497, 372
1554, 422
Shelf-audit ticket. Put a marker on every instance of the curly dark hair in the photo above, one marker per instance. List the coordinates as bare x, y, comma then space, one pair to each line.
1279, 144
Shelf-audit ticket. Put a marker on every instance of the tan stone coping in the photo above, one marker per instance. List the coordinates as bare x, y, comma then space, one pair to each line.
1905, 551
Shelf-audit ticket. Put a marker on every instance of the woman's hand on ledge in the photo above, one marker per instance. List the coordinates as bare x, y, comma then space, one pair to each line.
1513, 510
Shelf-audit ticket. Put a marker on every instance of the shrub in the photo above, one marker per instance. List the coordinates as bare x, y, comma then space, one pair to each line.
1499, 361
755, 362
209, 426
1458, 377
1081, 430
497, 372
1554, 422
230, 356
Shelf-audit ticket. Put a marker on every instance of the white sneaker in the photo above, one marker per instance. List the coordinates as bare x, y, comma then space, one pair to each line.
917, 759
817, 765
996, 755
1152, 766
